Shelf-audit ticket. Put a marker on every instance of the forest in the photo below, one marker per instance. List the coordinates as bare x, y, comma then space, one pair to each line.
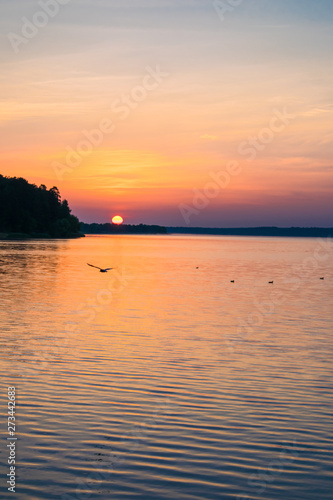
109, 228
30, 211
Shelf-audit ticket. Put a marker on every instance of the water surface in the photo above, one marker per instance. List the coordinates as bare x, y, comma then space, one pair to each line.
162, 379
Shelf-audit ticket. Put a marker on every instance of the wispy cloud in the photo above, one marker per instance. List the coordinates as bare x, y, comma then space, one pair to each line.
209, 137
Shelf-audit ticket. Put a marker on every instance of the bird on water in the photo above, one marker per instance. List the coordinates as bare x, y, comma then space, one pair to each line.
102, 270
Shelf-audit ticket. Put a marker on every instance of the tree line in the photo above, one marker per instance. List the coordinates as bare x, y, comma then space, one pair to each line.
35, 211
108, 228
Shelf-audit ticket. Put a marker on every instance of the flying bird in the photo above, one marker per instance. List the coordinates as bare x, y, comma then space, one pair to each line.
271, 282
321, 278
102, 270
232, 281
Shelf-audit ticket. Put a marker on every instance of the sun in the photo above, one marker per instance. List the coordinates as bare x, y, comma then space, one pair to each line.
117, 219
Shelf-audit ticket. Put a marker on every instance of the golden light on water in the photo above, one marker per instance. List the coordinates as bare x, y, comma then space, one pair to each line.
117, 219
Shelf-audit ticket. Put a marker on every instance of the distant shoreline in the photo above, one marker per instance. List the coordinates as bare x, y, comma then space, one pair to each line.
269, 231
142, 229
108, 228
293, 232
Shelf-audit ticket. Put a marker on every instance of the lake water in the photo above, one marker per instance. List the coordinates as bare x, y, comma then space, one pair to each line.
158, 380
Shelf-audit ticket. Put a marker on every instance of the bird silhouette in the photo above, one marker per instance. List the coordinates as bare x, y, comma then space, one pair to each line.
102, 270
232, 281
271, 282
321, 278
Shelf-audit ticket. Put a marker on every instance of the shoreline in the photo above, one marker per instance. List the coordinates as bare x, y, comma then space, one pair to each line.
41, 236
284, 232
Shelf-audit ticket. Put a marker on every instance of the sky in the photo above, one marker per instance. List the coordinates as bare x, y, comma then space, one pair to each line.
173, 112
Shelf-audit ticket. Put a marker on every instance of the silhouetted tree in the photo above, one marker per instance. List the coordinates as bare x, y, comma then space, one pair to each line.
26, 208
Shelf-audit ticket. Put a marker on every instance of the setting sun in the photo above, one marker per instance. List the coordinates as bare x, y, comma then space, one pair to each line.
117, 219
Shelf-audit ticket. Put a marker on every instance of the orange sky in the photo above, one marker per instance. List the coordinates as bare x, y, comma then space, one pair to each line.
177, 94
